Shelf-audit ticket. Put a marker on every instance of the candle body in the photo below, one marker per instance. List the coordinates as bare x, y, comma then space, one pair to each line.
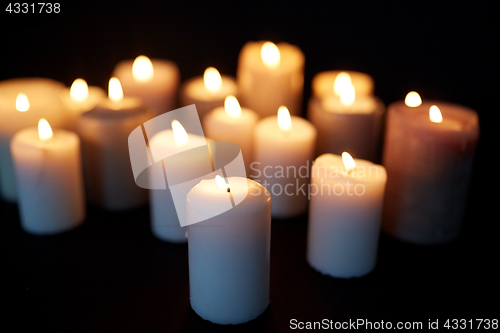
356, 129
229, 254
43, 95
322, 83
76, 108
219, 126
49, 180
108, 174
429, 167
158, 93
265, 89
344, 216
282, 161
194, 91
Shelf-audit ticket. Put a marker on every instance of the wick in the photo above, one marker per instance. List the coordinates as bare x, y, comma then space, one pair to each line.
228, 190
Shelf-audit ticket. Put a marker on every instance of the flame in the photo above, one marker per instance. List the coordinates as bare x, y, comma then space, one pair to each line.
115, 90
348, 161
342, 81
44, 130
284, 119
79, 90
270, 55
413, 99
435, 114
223, 185
212, 79
180, 134
22, 103
232, 106
348, 95
142, 69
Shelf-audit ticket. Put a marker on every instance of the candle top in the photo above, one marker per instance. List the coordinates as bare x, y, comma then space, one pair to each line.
163, 144
322, 84
165, 74
360, 105
300, 130
290, 56
195, 89
247, 116
30, 138
333, 166
95, 95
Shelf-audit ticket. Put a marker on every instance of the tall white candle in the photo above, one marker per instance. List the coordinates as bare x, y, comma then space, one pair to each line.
283, 147
344, 215
49, 179
229, 254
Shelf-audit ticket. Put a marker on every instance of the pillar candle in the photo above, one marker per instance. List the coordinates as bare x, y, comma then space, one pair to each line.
104, 133
284, 148
208, 91
323, 82
428, 153
36, 98
269, 76
49, 179
345, 213
232, 123
155, 81
229, 254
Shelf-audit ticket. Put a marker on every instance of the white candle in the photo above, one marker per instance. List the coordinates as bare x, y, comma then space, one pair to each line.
269, 76
207, 92
229, 253
104, 133
344, 215
232, 123
49, 179
155, 81
283, 149
38, 98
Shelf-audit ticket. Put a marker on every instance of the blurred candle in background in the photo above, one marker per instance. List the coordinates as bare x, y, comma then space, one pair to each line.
323, 82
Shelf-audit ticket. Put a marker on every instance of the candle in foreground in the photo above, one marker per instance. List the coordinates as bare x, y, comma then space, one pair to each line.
345, 213
49, 179
155, 81
207, 92
104, 133
283, 150
270, 75
232, 123
229, 254
428, 153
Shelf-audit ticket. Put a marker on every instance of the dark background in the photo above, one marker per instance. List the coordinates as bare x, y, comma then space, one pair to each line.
112, 275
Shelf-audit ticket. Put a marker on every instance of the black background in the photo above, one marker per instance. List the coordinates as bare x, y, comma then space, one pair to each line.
111, 274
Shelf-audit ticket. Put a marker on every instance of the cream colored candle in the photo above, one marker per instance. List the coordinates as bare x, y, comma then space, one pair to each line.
104, 133
235, 124
22, 103
155, 81
49, 179
323, 82
428, 152
269, 76
284, 148
229, 253
345, 213
207, 92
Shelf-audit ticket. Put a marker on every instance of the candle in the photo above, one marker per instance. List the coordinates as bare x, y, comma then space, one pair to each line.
207, 92
154, 81
104, 133
269, 76
229, 253
232, 123
283, 147
428, 153
49, 179
323, 82
22, 103
347, 121
344, 215
78, 99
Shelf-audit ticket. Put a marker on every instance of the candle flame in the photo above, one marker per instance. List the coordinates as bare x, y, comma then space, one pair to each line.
413, 99
79, 90
348, 161
284, 119
232, 106
142, 69
348, 95
22, 103
115, 90
212, 79
270, 55
44, 130
435, 114
221, 182
180, 134
342, 81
